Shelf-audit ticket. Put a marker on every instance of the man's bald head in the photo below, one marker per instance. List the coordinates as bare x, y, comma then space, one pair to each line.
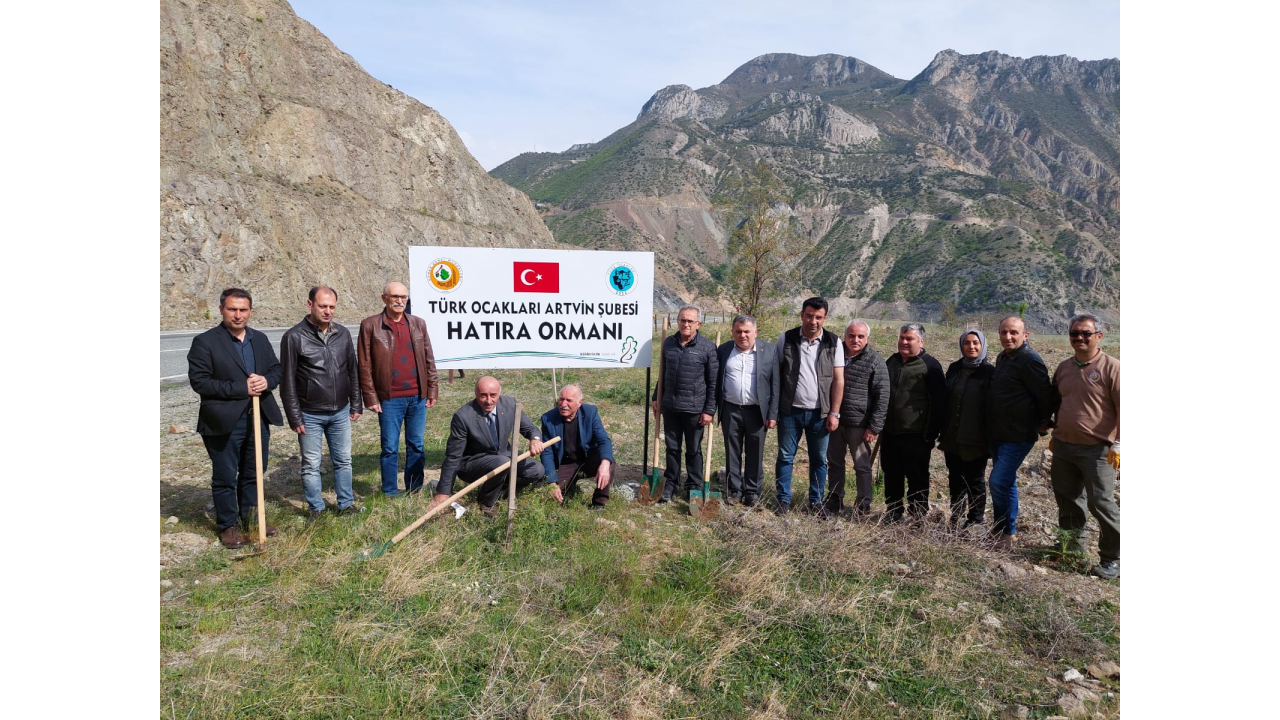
1013, 333
488, 390
394, 296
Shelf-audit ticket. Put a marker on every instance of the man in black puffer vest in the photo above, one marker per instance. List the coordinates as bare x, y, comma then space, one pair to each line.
862, 414
917, 413
688, 403
811, 375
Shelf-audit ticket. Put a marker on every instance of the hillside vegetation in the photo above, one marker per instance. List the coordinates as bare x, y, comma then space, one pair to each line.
985, 182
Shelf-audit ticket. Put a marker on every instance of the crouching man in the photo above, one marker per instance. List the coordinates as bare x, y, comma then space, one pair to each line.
480, 440
584, 450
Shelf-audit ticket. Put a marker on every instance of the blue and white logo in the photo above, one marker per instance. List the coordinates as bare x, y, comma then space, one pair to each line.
622, 278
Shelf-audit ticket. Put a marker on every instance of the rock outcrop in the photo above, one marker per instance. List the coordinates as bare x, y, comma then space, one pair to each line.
985, 182
283, 164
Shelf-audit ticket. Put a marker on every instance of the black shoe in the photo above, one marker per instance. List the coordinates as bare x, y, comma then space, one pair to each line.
1107, 570
893, 518
664, 499
597, 508
782, 509
813, 508
314, 515
825, 513
350, 510
733, 499
489, 511
749, 501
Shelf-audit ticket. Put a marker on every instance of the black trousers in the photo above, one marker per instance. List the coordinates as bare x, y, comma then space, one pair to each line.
968, 484
235, 473
905, 458
743, 429
682, 428
527, 471
568, 475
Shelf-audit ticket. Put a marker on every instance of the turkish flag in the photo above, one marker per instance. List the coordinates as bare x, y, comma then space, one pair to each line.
537, 277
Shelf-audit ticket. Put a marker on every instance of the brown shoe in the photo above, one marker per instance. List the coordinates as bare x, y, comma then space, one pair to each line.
271, 531
1004, 543
489, 511
232, 538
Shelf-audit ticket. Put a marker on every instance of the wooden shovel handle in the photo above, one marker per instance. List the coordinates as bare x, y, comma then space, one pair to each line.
454, 497
706, 473
257, 460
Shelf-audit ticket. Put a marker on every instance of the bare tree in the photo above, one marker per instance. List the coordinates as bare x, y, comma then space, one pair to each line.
764, 247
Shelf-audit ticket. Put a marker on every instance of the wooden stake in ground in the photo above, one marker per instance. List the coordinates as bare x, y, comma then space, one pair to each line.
257, 459
511, 477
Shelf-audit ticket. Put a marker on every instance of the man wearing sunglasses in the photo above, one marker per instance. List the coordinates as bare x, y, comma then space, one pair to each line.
1086, 443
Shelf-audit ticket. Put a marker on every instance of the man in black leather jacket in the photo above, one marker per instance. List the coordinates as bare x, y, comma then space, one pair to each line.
321, 394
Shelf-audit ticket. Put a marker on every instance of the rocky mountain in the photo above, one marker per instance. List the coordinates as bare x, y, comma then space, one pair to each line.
283, 164
984, 182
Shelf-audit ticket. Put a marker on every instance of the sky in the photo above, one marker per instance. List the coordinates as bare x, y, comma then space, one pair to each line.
514, 77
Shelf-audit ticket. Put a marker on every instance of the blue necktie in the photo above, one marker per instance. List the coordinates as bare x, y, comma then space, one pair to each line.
493, 430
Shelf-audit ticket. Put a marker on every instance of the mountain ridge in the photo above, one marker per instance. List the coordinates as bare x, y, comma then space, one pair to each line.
1000, 176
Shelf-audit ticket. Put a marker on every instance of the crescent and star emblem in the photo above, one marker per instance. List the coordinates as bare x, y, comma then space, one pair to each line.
525, 279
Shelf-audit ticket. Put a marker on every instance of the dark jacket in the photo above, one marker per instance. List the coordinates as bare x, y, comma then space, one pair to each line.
219, 377
967, 390
766, 380
320, 376
375, 349
866, 391
591, 436
1021, 397
926, 405
689, 375
469, 436
789, 369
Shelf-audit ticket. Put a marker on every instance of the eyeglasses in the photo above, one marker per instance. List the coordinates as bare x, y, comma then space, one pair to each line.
1082, 334
684, 321
398, 297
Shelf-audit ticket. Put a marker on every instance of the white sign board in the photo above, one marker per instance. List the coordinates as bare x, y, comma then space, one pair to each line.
514, 308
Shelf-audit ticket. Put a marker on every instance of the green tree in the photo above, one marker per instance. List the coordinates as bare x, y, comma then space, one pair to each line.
764, 246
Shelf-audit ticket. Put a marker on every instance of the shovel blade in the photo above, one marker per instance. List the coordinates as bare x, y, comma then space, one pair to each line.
651, 488
696, 500
373, 551
710, 508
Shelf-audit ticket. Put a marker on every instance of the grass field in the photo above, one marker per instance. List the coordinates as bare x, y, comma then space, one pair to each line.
639, 612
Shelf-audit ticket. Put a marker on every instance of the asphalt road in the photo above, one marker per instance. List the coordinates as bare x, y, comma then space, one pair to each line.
174, 347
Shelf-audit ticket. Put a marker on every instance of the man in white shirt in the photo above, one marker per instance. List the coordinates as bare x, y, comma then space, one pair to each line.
811, 386
748, 407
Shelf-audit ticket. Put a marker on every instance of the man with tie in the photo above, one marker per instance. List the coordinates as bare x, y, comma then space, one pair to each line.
480, 440
227, 365
747, 394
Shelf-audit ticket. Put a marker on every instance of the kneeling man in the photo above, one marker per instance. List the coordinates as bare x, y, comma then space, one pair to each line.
480, 440
584, 449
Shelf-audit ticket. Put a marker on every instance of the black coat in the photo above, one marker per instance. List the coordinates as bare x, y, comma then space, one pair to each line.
319, 376
219, 377
935, 412
689, 375
1021, 397
866, 391
967, 408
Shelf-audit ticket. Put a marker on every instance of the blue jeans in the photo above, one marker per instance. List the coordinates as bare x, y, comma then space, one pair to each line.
813, 423
335, 426
411, 412
1005, 459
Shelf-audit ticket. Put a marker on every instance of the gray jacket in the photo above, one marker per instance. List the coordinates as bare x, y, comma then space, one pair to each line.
866, 391
469, 435
766, 377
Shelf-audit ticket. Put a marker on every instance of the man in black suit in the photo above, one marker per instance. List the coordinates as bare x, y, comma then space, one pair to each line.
480, 440
227, 365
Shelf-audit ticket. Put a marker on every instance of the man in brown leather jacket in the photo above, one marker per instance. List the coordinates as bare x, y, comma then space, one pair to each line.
398, 381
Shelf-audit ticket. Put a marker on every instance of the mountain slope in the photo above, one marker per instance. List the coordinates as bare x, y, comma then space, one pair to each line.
283, 165
984, 182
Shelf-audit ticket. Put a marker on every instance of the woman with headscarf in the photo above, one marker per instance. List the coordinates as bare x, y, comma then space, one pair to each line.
964, 440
